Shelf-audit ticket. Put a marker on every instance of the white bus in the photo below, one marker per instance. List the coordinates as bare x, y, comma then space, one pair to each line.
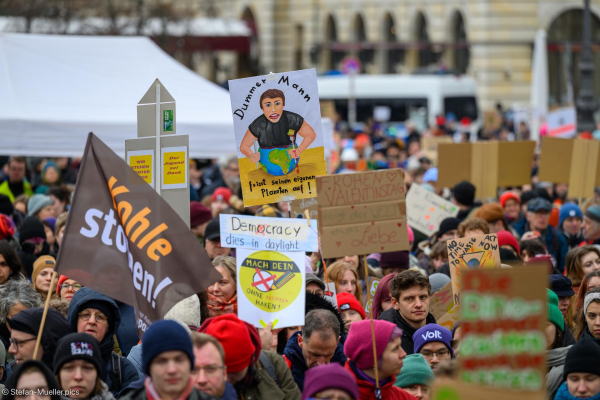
404, 94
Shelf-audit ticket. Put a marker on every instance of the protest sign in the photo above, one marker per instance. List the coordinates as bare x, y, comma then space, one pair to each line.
503, 318
555, 160
429, 145
471, 253
299, 208
426, 210
441, 301
487, 165
492, 121
125, 241
362, 213
372, 285
175, 167
141, 162
271, 287
264, 233
279, 142
562, 122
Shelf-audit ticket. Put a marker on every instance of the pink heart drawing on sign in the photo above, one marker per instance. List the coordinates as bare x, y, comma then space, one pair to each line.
399, 225
352, 207
431, 227
382, 247
391, 175
372, 223
338, 244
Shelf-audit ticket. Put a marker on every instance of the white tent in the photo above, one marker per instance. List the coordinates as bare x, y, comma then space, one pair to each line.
55, 89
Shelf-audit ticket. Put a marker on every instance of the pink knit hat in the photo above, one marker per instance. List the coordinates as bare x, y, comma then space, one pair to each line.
358, 346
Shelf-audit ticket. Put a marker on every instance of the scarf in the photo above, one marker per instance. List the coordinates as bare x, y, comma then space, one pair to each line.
563, 394
217, 307
152, 394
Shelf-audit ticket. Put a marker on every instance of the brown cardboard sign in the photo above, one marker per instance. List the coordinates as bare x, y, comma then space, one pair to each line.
471, 253
299, 208
503, 318
584, 174
362, 213
441, 302
555, 160
429, 145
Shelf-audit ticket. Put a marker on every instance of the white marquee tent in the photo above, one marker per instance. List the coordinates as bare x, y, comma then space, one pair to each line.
55, 89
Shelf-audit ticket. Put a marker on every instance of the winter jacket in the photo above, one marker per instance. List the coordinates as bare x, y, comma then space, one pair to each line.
127, 334
5, 190
230, 393
568, 337
556, 244
555, 359
140, 394
129, 373
573, 241
563, 394
588, 335
104, 394
392, 315
135, 356
295, 360
366, 390
264, 387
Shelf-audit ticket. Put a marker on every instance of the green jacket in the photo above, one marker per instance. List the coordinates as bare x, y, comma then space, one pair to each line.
5, 190
265, 387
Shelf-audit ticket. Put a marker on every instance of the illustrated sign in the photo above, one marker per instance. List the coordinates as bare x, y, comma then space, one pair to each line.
330, 294
471, 253
441, 302
141, 162
562, 123
373, 284
362, 213
503, 317
264, 233
279, 141
175, 167
273, 287
426, 210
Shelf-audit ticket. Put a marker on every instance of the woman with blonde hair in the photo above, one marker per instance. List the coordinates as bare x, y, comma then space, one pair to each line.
346, 279
222, 296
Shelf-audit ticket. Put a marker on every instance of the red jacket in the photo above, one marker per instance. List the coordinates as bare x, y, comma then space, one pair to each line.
366, 389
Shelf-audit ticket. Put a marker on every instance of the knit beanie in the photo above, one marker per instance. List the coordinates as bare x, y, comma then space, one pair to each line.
77, 346
31, 228
164, 336
268, 211
526, 197
554, 314
569, 210
221, 193
395, 259
464, 193
583, 357
438, 281
432, 333
61, 280
593, 213
37, 202
490, 212
507, 196
448, 224
233, 335
7, 227
6, 206
186, 311
39, 264
415, 371
199, 214
359, 347
347, 301
507, 238
329, 376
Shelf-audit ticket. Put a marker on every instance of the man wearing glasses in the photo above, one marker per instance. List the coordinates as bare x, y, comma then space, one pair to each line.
210, 371
433, 342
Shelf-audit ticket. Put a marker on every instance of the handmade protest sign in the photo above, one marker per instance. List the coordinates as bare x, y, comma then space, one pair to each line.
141, 162
277, 123
471, 253
270, 287
299, 208
426, 210
123, 240
362, 213
503, 318
441, 302
372, 285
264, 233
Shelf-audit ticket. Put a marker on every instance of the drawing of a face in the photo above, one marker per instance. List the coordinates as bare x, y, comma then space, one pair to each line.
272, 108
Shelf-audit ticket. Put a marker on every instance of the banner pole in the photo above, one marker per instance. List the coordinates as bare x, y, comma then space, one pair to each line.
43, 321
157, 157
377, 390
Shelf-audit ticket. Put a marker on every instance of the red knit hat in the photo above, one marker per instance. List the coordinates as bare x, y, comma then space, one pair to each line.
61, 280
347, 301
507, 238
233, 335
199, 214
509, 195
221, 193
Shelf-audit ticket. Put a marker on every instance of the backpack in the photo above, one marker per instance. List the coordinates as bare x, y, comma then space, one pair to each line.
115, 371
268, 366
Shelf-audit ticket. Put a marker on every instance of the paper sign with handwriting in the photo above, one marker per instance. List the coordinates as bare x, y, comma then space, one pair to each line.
426, 210
299, 208
441, 302
471, 253
503, 317
264, 233
362, 213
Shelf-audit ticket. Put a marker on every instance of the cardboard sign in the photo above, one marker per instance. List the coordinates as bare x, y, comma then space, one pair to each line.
141, 161
263, 233
373, 283
471, 253
451, 318
492, 121
426, 210
175, 167
362, 213
429, 145
441, 302
279, 142
555, 160
330, 294
487, 165
503, 318
271, 287
562, 123
299, 208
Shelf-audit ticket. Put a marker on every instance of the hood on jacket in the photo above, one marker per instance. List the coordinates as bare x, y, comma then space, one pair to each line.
316, 302
84, 298
13, 379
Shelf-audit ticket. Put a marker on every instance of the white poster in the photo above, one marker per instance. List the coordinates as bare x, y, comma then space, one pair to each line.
425, 210
562, 123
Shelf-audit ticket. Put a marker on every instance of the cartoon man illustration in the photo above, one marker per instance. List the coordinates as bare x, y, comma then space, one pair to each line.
276, 131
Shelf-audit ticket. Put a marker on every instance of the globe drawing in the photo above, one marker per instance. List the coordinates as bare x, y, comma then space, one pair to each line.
277, 161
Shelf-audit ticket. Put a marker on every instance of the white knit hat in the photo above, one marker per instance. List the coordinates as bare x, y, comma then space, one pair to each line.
186, 311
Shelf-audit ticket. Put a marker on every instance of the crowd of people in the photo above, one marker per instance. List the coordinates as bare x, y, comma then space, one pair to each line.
202, 349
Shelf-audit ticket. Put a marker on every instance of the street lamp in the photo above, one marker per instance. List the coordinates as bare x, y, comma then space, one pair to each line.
586, 103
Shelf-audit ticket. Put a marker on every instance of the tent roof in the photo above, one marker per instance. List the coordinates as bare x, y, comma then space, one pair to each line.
56, 89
